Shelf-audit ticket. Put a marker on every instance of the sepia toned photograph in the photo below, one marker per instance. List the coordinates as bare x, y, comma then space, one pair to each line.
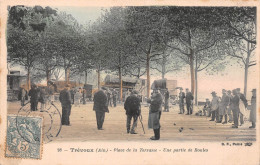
129, 74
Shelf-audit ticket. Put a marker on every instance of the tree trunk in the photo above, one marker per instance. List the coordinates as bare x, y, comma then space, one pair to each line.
98, 72
47, 75
148, 71
28, 79
67, 75
196, 83
120, 84
246, 68
163, 66
191, 63
86, 77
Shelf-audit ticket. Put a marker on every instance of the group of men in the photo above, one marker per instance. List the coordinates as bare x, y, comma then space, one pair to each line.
230, 107
188, 97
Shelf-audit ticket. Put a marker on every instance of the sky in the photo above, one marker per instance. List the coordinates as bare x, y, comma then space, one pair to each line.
232, 77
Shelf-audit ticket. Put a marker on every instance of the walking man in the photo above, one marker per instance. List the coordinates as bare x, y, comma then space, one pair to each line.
181, 101
65, 99
133, 110
189, 102
155, 114
100, 106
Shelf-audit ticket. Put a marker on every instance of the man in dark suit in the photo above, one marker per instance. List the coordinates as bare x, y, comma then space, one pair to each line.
100, 106
189, 102
34, 96
235, 107
181, 101
65, 99
133, 110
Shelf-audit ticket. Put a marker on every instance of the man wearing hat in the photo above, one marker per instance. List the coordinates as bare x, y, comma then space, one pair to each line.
100, 106
223, 107
252, 117
235, 107
34, 97
206, 108
214, 106
242, 105
181, 101
65, 99
133, 110
155, 113
230, 116
189, 102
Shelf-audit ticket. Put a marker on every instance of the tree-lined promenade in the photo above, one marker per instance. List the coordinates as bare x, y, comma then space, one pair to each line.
132, 41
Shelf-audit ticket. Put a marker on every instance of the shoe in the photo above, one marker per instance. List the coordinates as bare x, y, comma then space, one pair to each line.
127, 131
100, 129
211, 120
234, 126
218, 122
187, 114
133, 133
230, 121
179, 113
224, 122
153, 138
251, 127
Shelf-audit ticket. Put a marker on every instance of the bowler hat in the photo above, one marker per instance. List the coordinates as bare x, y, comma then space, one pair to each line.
253, 90
213, 92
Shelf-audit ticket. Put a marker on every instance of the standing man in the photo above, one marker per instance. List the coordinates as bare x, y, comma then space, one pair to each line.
65, 99
214, 106
22, 95
72, 94
223, 107
252, 117
230, 116
242, 106
114, 93
235, 107
181, 101
189, 102
206, 108
155, 113
100, 106
133, 110
34, 96
109, 98
166, 100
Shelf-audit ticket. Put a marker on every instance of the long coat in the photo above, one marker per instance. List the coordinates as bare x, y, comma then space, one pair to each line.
235, 103
223, 105
154, 111
242, 104
214, 103
253, 110
132, 105
100, 102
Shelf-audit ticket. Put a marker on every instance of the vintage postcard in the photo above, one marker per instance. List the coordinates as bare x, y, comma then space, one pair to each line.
133, 82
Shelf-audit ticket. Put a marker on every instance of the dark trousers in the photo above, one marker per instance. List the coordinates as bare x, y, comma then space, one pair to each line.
215, 115
34, 105
241, 116
181, 105
128, 122
66, 110
100, 116
114, 102
157, 133
235, 117
22, 100
110, 102
189, 108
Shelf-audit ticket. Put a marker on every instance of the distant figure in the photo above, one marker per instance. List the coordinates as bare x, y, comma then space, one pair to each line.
109, 98
166, 100
235, 107
242, 106
84, 96
65, 99
206, 108
114, 94
22, 95
214, 106
223, 107
189, 102
132, 107
34, 96
252, 117
230, 115
77, 97
100, 106
181, 101
72, 94
155, 113
42, 98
